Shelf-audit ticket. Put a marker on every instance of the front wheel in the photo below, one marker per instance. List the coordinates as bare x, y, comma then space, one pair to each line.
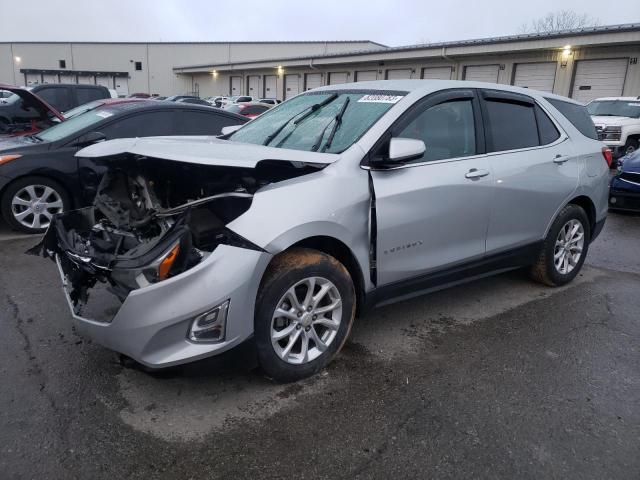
304, 312
564, 249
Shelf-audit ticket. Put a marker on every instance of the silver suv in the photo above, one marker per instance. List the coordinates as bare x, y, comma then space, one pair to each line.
339, 200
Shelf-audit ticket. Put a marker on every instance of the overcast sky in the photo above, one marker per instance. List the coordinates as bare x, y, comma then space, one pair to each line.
392, 22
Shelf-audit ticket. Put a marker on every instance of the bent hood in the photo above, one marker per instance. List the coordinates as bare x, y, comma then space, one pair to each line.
631, 162
204, 151
30, 99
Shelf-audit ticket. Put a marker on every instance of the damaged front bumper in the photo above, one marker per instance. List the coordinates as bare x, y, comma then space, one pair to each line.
153, 324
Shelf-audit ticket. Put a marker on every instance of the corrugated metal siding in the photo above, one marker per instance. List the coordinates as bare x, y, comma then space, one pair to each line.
437, 73
482, 73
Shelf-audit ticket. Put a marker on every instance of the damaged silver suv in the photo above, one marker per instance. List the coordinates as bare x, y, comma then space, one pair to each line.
338, 200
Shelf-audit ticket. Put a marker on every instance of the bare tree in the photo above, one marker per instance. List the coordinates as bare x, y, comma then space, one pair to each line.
560, 20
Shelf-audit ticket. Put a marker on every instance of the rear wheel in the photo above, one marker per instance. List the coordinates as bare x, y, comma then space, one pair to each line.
564, 249
304, 312
29, 203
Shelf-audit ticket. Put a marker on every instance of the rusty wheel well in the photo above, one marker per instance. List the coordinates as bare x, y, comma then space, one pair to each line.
588, 206
342, 253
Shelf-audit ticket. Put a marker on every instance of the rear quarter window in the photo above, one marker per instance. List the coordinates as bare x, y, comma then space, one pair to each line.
577, 115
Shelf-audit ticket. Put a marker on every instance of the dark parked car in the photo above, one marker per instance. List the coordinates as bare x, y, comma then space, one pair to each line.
624, 191
175, 98
60, 96
249, 110
40, 175
194, 101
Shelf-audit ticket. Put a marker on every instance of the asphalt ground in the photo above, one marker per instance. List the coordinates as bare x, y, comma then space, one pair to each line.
499, 378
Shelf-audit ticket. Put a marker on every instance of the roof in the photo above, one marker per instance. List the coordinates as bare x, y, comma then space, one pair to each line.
622, 99
261, 42
424, 87
628, 27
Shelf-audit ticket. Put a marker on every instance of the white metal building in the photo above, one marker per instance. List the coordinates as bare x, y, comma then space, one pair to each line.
584, 64
141, 67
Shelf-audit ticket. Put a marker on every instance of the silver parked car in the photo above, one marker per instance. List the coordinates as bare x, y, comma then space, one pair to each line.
340, 199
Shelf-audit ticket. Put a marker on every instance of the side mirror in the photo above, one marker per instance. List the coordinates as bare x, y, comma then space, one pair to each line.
401, 150
230, 129
405, 149
90, 138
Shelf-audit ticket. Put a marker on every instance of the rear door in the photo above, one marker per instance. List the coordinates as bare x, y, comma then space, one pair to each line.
533, 165
434, 211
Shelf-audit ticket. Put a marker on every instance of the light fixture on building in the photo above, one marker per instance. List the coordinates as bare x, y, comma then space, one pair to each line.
280, 69
214, 73
17, 59
564, 57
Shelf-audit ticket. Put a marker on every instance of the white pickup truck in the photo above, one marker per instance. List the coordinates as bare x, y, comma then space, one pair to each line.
617, 120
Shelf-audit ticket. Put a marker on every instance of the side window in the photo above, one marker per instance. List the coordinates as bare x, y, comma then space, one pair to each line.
510, 125
577, 115
57, 97
447, 129
148, 124
203, 123
546, 129
88, 94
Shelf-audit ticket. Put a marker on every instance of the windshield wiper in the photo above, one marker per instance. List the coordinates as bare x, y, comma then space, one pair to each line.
336, 125
305, 113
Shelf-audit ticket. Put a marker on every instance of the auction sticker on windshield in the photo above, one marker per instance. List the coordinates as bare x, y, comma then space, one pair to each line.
104, 114
380, 99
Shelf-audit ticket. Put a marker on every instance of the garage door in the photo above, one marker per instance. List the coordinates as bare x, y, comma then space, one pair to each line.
236, 85
398, 73
67, 78
437, 73
482, 73
122, 86
336, 78
599, 78
366, 75
105, 81
32, 79
270, 82
87, 79
312, 80
253, 86
537, 76
291, 85
49, 78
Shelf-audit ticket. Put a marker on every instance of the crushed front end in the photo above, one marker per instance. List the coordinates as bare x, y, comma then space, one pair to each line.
151, 269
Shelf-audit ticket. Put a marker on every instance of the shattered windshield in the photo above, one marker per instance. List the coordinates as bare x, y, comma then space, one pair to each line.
327, 121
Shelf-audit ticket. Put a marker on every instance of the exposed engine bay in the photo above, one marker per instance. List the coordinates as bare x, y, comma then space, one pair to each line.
153, 219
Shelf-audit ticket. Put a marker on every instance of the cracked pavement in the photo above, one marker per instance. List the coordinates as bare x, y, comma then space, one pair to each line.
499, 378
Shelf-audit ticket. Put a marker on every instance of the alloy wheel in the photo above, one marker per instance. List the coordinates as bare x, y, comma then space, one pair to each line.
568, 247
306, 320
34, 206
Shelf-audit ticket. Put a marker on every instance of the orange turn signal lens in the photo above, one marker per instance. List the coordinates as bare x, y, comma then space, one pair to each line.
167, 262
7, 158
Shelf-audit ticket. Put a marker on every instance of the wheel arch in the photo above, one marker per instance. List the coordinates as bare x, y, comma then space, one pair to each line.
588, 206
341, 252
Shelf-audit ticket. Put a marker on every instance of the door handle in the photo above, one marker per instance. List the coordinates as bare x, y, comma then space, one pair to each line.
559, 159
475, 173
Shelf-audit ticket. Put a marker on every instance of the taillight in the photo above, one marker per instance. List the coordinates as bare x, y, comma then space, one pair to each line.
608, 155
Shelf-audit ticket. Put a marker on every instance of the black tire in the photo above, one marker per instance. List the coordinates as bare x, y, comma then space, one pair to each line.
545, 270
13, 188
286, 270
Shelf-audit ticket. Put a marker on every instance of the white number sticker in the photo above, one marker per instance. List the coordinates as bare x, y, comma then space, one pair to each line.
380, 99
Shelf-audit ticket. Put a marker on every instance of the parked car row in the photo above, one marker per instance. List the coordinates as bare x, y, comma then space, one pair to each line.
40, 175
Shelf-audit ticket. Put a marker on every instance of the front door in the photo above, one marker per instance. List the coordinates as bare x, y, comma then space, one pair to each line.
433, 212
